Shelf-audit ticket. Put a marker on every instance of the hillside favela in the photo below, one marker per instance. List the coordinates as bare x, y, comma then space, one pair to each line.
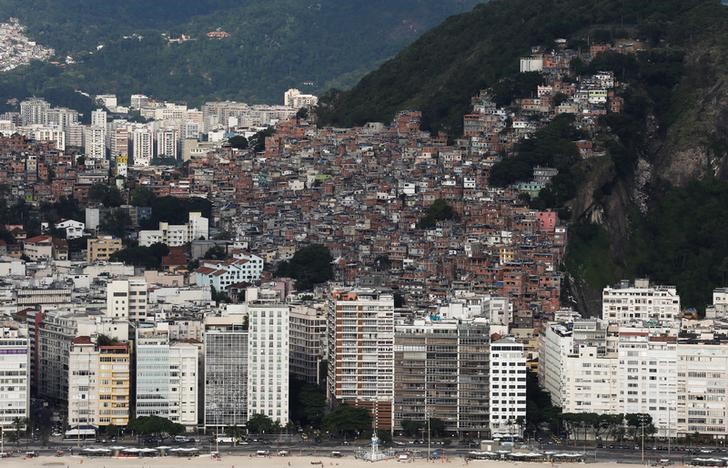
289, 233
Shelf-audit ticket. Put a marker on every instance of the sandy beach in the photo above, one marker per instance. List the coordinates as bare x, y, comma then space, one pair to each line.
237, 461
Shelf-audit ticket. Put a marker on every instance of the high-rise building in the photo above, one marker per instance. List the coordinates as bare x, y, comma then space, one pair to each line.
702, 383
98, 384
94, 142
507, 386
34, 111
138, 101
14, 375
166, 376
120, 141
167, 143
98, 118
268, 350
62, 117
640, 301
226, 372
74, 135
361, 357
307, 343
142, 145
647, 377
441, 370
127, 300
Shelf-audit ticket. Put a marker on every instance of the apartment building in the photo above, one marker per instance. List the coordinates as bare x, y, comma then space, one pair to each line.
640, 301
268, 354
307, 343
98, 383
702, 383
361, 356
127, 300
176, 235
226, 372
647, 377
166, 376
14, 375
507, 386
102, 248
441, 370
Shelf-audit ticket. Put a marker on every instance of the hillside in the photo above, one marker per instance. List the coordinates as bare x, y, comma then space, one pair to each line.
653, 204
270, 45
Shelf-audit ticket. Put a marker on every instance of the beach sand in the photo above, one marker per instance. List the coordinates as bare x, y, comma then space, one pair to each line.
238, 461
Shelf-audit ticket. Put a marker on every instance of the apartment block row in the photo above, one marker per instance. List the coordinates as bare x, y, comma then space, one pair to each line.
642, 356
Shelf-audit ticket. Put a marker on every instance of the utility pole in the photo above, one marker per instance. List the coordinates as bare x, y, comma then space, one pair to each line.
642, 420
669, 433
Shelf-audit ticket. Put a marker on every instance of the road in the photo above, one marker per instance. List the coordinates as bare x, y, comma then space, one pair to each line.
631, 454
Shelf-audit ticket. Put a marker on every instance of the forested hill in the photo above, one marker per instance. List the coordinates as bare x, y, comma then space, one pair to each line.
123, 46
440, 71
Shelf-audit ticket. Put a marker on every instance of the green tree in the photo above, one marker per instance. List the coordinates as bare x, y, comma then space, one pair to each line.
413, 428
107, 195
261, 424
348, 420
142, 196
116, 222
155, 425
216, 252
238, 142
146, 257
307, 403
309, 266
440, 210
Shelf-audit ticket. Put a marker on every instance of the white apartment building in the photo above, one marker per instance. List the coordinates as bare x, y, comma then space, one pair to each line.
94, 142
575, 365
14, 375
361, 351
294, 98
98, 118
221, 274
640, 301
98, 384
702, 384
166, 376
127, 300
55, 134
268, 354
226, 372
34, 111
647, 377
175, 235
142, 145
62, 117
507, 386
167, 143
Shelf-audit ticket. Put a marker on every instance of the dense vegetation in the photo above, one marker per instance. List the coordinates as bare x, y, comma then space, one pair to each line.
273, 44
441, 71
309, 266
438, 211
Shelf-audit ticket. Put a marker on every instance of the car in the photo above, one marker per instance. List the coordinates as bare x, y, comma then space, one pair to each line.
283, 453
224, 440
336, 454
262, 453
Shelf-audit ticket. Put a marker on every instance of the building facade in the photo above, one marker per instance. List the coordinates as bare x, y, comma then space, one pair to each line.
361, 353
268, 354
